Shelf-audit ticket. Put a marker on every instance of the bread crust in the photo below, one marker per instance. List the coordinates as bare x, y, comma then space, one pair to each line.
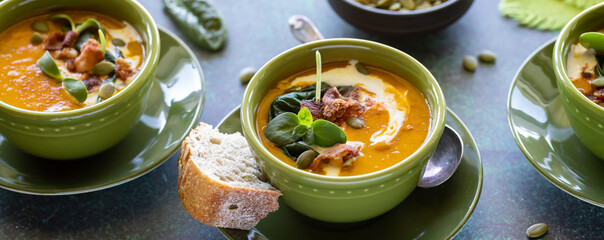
215, 203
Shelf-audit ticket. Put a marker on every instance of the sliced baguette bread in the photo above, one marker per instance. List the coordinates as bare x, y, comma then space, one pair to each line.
220, 183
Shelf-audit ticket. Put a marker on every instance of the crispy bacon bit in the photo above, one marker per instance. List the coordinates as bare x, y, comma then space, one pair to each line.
599, 93
60, 40
66, 53
55, 41
91, 54
316, 108
587, 75
338, 154
70, 38
123, 70
336, 108
92, 82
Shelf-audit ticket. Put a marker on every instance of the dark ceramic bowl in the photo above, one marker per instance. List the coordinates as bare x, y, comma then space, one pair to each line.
395, 22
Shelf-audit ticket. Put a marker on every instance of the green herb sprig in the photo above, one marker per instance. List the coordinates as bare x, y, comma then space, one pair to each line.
289, 127
74, 87
319, 70
66, 17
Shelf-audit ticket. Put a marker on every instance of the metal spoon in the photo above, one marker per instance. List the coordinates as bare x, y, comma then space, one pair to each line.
449, 151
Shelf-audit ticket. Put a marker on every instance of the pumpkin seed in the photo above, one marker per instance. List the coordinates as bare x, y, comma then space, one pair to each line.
38, 26
118, 42
246, 74
408, 4
470, 63
36, 39
362, 68
395, 6
487, 56
383, 3
536, 230
106, 91
103, 68
598, 82
305, 159
355, 122
436, 3
424, 5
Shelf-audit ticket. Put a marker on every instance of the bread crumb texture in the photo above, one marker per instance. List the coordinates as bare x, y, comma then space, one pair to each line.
219, 181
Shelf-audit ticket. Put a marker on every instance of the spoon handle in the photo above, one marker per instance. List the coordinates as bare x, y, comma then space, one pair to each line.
303, 29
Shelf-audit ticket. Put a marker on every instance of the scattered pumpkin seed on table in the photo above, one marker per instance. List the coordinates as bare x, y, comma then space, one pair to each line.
470, 63
536, 230
487, 56
246, 74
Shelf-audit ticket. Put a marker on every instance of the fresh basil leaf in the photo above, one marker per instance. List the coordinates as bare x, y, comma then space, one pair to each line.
290, 102
48, 66
109, 57
76, 88
593, 40
305, 117
293, 150
91, 22
599, 68
66, 17
82, 38
283, 129
327, 133
309, 137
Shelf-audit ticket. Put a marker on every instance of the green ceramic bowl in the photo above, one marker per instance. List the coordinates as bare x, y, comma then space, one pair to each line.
354, 198
586, 117
82, 132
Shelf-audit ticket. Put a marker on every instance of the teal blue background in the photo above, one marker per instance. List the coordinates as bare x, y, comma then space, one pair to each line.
514, 195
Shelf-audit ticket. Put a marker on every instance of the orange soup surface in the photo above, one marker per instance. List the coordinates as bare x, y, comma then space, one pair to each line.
24, 85
407, 129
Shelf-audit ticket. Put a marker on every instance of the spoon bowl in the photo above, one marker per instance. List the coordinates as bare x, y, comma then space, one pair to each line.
444, 161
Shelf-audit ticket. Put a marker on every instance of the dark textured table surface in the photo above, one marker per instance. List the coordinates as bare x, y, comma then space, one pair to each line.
514, 194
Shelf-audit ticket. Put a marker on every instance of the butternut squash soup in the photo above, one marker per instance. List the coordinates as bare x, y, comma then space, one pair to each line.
366, 120
67, 60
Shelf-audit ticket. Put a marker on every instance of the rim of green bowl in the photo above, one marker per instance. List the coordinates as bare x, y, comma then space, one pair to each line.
559, 52
248, 125
398, 13
152, 56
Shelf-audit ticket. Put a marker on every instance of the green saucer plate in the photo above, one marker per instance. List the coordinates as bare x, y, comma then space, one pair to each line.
435, 213
174, 107
543, 133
